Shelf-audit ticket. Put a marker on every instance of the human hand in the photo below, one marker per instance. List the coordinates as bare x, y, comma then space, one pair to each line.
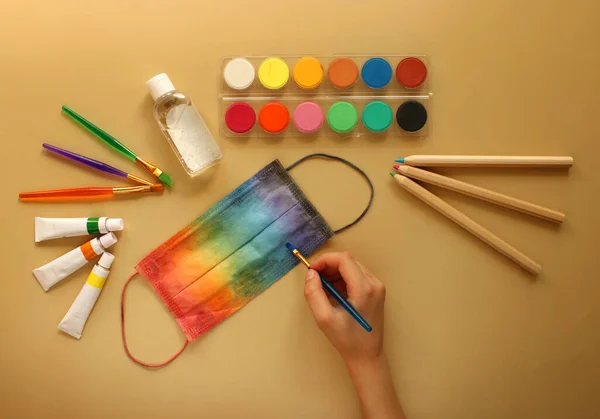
365, 292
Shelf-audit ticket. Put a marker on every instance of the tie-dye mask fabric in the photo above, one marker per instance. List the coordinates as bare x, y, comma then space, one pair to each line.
234, 251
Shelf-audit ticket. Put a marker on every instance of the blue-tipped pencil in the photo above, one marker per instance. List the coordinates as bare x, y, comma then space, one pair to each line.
331, 290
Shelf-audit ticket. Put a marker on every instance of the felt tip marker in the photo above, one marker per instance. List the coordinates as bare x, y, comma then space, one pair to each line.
331, 290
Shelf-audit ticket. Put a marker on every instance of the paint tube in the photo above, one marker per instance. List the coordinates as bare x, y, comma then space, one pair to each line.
74, 321
52, 272
56, 228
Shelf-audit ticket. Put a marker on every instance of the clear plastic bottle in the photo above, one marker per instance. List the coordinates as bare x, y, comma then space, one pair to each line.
183, 126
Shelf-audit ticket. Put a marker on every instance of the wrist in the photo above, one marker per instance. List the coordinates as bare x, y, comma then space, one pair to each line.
369, 366
373, 383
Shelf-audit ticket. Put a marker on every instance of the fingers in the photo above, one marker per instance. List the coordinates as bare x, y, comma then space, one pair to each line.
327, 267
342, 264
368, 275
378, 286
317, 299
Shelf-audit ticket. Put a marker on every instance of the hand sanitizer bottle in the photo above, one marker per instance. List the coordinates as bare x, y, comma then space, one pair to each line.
183, 126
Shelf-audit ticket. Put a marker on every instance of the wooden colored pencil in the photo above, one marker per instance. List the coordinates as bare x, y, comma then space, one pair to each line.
481, 193
468, 224
486, 161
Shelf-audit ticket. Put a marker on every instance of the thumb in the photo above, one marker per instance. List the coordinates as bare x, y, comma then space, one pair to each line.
316, 298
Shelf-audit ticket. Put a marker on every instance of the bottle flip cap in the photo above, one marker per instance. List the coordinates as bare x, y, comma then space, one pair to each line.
106, 260
159, 85
108, 240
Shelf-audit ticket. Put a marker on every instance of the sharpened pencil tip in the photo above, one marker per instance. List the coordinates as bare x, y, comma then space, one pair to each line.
393, 174
290, 247
396, 166
400, 160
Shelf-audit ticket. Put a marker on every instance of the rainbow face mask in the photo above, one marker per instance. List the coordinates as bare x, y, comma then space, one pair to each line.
233, 252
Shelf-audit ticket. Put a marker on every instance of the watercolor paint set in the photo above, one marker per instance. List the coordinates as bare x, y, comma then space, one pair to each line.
385, 74
349, 95
321, 115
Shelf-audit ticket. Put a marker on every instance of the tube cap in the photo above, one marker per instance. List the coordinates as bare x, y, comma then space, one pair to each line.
102, 227
106, 260
108, 240
159, 85
115, 224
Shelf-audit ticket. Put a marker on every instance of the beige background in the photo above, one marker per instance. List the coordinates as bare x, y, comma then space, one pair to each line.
469, 335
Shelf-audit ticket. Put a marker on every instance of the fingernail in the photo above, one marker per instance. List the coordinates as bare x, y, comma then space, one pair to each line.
310, 274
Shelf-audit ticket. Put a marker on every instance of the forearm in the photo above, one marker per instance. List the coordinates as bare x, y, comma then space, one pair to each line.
375, 388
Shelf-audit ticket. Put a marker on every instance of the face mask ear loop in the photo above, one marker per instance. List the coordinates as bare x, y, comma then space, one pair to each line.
134, 359
354, 167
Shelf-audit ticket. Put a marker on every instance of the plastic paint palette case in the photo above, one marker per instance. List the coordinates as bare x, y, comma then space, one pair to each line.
390, 74
347, 116
349, 95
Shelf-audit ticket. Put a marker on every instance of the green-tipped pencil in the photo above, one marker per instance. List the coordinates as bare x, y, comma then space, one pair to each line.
117, 145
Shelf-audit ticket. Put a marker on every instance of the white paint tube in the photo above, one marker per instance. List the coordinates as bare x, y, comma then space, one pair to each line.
74, 321
53, 272
57, 228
